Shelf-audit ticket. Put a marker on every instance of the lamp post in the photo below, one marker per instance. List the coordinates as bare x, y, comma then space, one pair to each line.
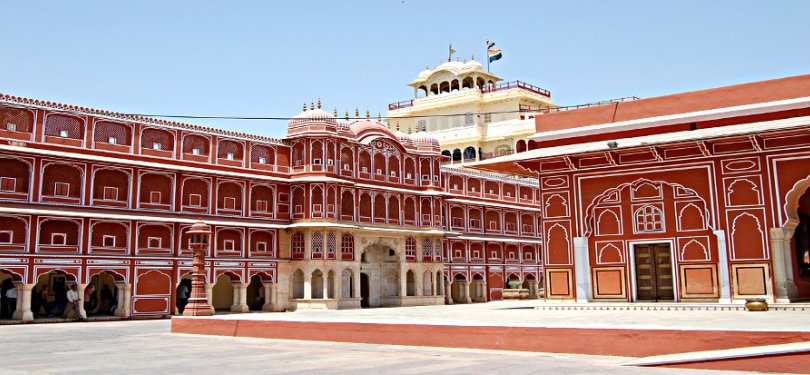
199, 234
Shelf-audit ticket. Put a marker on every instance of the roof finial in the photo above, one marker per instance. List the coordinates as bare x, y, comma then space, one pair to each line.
427, 67
397, 125
472, 57
368, 114
319, 102
334, 112
311, 106
379, 117
304, 108
465, 60
456, 58
356, 112
347, 114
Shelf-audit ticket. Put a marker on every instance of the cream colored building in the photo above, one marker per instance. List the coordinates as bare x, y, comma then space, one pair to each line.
472, 113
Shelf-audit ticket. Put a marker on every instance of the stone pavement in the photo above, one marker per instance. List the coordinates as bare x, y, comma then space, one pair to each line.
136, 347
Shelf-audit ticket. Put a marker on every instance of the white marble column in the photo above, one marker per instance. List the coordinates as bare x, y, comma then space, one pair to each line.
325, 285
403, 281
269, 298
582, 269
356, 281
722, 267
124, 298
783, 264
23, 311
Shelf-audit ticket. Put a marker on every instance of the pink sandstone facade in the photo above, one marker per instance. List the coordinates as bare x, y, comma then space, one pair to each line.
700, 196
340, 214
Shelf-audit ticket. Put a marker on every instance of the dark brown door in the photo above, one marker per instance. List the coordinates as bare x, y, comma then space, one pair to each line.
654, 272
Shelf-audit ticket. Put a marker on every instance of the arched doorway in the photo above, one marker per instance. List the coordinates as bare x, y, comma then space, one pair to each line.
801, 245
256, 297
102, 293
364, 290
223, 292
381, 265
8, 280
459, 290
297, 284
52, 289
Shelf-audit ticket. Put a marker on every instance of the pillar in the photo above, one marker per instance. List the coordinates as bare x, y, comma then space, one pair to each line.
240, 298
582, 269
209, 295
484, 291
448, 293
81, 289
337, 285
269, 298
783, 264
465, 287
403, 281
23, 311
124, 297
722, 267
307, 285
18, 307
533, 289
418, 284
325, 285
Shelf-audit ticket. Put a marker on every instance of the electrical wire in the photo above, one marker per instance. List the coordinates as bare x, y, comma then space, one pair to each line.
338, 117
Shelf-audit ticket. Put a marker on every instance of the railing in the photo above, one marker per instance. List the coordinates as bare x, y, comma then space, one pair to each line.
399, 105
544, 109
517, 85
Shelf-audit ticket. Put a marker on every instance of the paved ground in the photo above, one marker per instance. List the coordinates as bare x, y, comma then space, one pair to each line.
135, 347
521, 314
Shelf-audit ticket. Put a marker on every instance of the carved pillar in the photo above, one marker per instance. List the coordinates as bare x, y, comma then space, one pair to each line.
199, 303
783, 264
124, 297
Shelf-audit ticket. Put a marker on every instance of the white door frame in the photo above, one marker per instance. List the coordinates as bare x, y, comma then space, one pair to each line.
632, 260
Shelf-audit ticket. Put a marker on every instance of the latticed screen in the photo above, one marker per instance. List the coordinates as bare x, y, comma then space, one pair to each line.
331, 243
437, 250
195, 142
110, 132
157, 140
64, 126
229, 150
262, 155
427, 246
16, 120
317, 243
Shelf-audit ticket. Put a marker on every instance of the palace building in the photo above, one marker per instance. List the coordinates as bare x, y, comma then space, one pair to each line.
699, 196
339, 214
470, 111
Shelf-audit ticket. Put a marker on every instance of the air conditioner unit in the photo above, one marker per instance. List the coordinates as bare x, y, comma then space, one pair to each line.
11, 127
195, 151
156, 146
112, 140
229, 156
262, 160
63, 133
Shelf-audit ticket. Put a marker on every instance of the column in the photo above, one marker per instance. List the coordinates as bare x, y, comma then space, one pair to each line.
783, 264
338, 285
533, 289
419, 286
81, 289
722, 267
24, 302
269, 298
448, 293
403, 281
356, 281
124, 297
326, 285
465, 287
240, 298
209, 295
582, 269
484, 291
307, 285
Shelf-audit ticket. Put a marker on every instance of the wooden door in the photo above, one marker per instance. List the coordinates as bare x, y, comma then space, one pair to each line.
654, 272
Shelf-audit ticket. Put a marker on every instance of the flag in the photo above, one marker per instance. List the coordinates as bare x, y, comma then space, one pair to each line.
490, 44
494, 54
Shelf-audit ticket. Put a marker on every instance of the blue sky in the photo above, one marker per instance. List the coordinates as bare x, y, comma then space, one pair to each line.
263, 58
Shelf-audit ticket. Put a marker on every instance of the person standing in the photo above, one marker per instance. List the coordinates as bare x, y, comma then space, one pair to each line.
73, 301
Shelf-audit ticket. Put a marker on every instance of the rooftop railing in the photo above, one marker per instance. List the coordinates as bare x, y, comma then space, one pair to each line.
517, 85
545, 109
402, 104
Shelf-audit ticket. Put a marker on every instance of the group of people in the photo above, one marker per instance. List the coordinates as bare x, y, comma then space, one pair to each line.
63, 301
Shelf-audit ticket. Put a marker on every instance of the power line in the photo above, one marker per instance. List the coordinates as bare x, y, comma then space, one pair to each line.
290, 118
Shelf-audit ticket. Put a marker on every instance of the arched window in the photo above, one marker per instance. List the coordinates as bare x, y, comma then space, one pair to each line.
158, 140
427, 248
196, 145
229, 150
469, 153
16, 120
112, 133
456, 155
262, 155
331, 245
64, 127
649, 219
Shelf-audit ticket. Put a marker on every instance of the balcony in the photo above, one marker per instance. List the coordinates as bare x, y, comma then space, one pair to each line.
400, 105
517, 85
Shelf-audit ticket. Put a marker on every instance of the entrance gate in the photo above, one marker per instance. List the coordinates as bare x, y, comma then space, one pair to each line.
654, 272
